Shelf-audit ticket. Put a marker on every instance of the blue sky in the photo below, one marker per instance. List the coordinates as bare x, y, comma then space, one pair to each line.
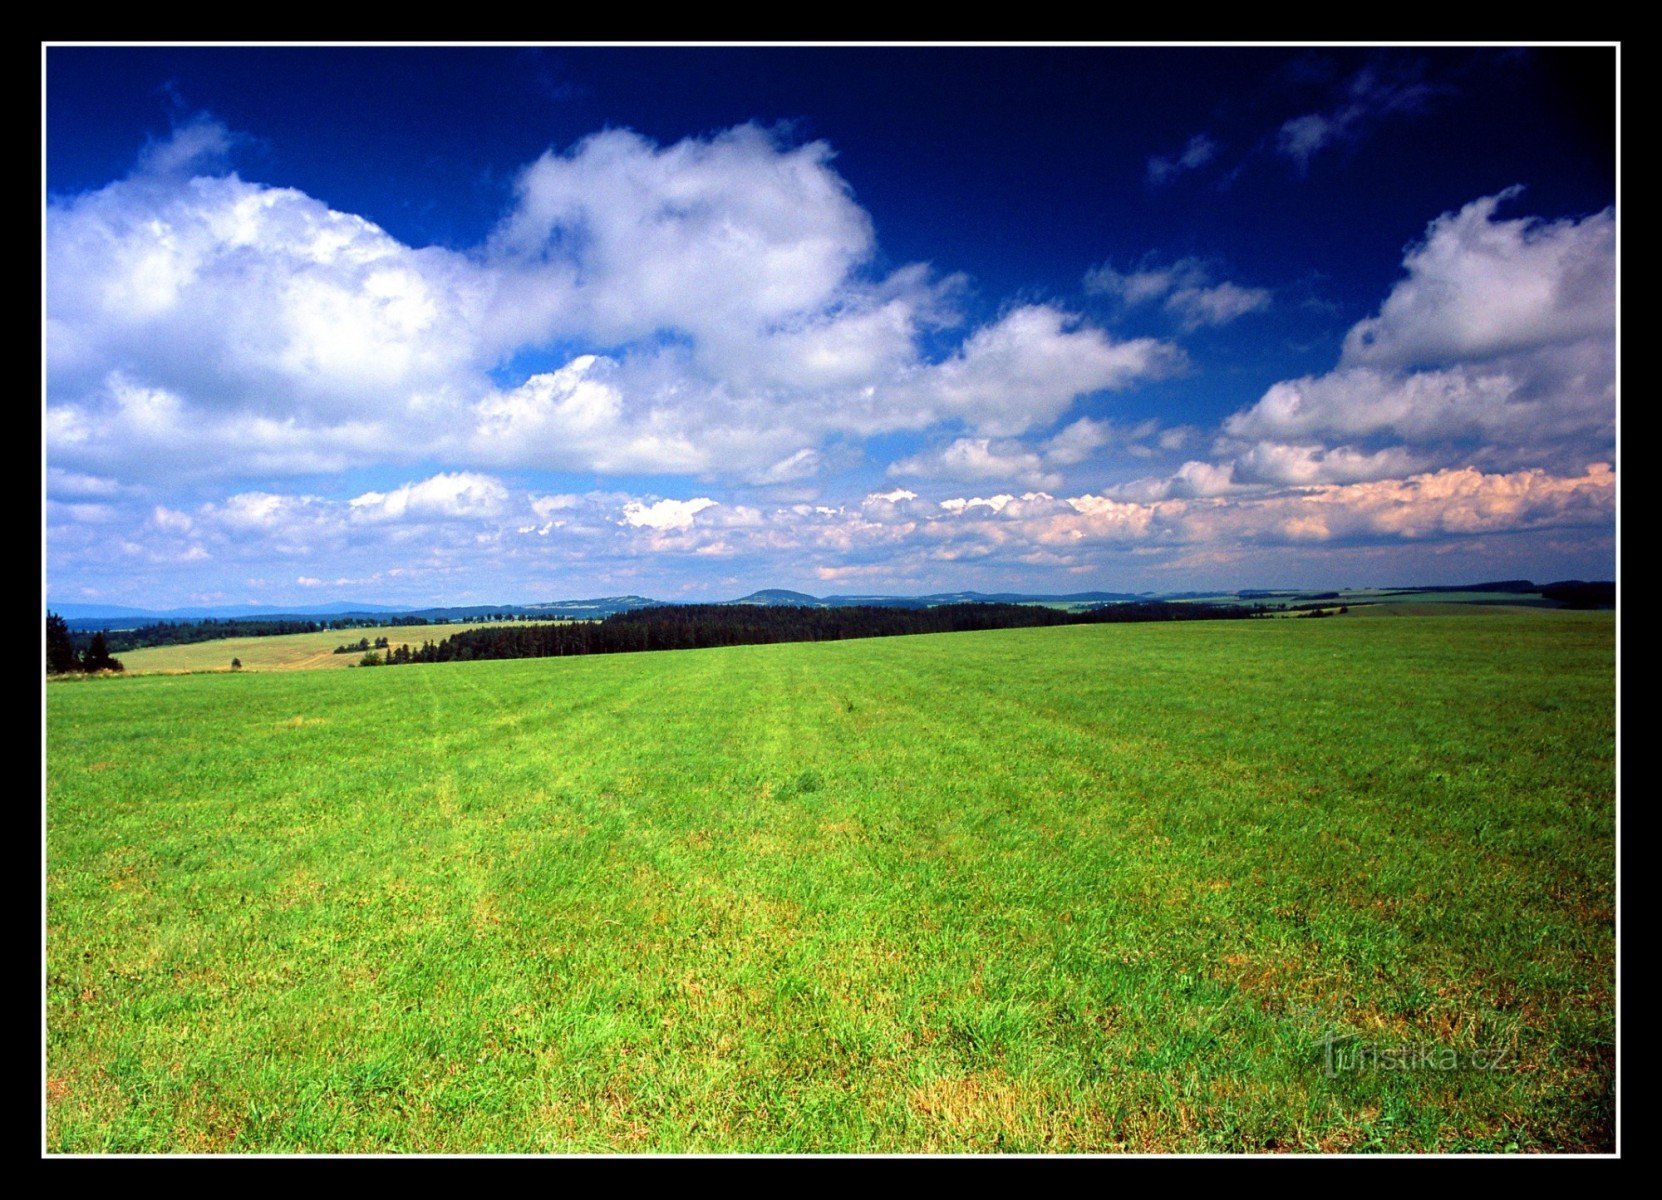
459, 325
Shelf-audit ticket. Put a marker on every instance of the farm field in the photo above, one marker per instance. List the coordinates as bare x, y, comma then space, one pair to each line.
282, 652
1143, 887
1453, 609
1466, 599
1362, 598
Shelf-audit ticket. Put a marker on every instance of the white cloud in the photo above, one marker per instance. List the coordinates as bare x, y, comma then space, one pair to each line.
202, 325
1148, 282
200, 144
1498, 347
1078, 441
665, 514
707, 235
1198, 307
446, 496
1480, 288
1196, 478
1372, 94
583, 417
1028, 369
165, 518
232, 294
1196, 153
73, 485
251, 511
958, 504
970, 459
1359, 402
1185, 287
1010, 461
601, 541
1282, 463
803, 464
1449, 502
1301, 137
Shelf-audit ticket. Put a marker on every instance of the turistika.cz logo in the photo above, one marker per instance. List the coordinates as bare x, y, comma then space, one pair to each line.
1344, 1056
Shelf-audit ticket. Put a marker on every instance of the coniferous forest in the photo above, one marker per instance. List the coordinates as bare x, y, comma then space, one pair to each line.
698, 626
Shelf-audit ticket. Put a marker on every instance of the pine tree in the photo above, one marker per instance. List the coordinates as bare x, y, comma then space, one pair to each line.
98, 655
60, 647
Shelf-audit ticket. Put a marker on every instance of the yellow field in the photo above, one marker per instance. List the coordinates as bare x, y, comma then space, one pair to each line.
283, 652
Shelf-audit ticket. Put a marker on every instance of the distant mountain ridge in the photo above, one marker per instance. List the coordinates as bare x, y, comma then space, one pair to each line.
85, 616
335, 608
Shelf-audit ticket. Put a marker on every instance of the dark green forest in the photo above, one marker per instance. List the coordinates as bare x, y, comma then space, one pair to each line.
699, 626
208, 629
64, 655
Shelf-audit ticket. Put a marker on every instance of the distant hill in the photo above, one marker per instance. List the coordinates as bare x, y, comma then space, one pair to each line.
1578, 593
802, 599
585, 610
92, 612
1522, 586
90, 616
780, 597
1033, 598
1573, 593
71, 612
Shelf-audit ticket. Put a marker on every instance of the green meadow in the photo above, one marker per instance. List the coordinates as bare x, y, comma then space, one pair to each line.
282, 652
1336, 885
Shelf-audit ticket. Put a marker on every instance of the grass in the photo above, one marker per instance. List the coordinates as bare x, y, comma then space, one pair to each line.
1507, 599
281, 652
1081, 889
1456, 609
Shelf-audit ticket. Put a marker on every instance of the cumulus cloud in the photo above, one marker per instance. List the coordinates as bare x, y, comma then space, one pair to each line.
1185, 288
665, 514
706, 235
600, 541
894, 497
1034, 465
448, 495
1078, 441
969, 459
233, 294
201, 324
252, 511
1498, 344
710, 309
1029, 367
1194, 478
1282, 463
1479, 288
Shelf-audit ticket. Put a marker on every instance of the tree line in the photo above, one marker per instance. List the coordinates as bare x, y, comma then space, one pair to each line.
701, 626
208, 629
63, 656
